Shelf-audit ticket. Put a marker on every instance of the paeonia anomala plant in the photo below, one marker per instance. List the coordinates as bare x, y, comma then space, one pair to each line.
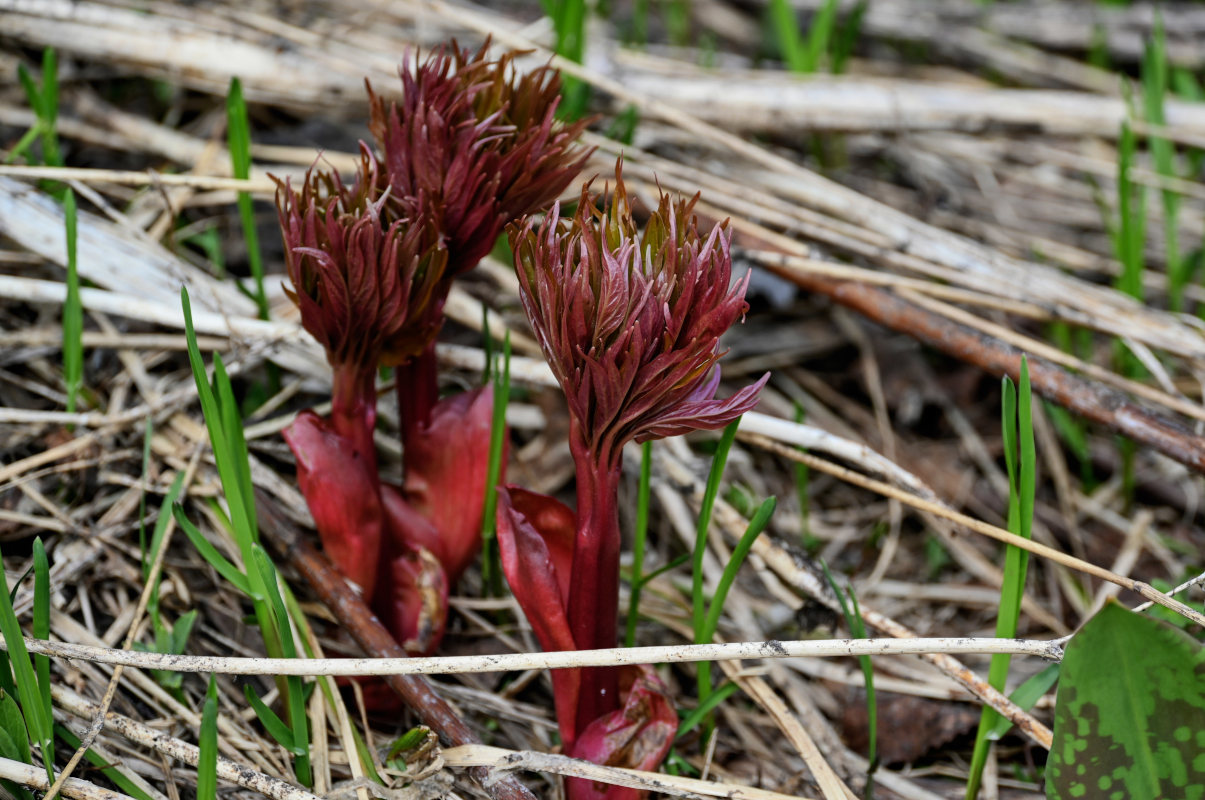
629, 320
471, 147
630, 323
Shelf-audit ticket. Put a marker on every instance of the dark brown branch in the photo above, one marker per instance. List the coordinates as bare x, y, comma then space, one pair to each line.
1090, 400
351, 612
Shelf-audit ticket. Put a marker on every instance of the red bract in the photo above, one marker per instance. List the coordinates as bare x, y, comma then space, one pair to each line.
636, 736
340, 488
446, 463
630, 324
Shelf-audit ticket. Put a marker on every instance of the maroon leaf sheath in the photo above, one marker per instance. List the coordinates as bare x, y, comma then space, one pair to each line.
630, 323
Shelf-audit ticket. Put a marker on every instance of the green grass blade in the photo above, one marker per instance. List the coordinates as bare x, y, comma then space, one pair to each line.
238, 139
232, 426
786, 28
639, 542
819, 36
273, 724
846, 38
699, 610
228, 470
1131, 209
1026, 696
73, 313
1019, 445
756, 525
712, 621
211, 555
699, 714
49, 111
23, 144
207, 763
41, 630
295, 696
28, 694
857, 629
491, 563
33, 95
1154, 89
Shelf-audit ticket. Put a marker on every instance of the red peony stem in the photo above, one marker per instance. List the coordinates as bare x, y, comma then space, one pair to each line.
354, 409
417, 392
594, 587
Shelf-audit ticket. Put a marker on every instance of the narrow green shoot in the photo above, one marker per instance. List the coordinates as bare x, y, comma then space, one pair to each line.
1022, 483
790, 42
1026, 696
73, 313
1128, 241
1154, 88
1129, 236
173, 639
295, 699
26, 686
48, 113
41, 630
44, 102
569, 27
238, 137
639, 32
699, 611
223, 421
820, 35
210, 554
677, 22
756, 525
711, 622
699, 714
846, 37
623, 128
802, 481
207, 744
14, 739
640, 541
492, 559
857, 630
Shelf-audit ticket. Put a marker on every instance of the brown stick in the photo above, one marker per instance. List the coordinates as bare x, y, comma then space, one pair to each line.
1090, 400
416, 692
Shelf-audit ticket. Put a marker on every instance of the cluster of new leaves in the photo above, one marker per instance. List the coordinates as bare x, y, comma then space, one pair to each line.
472, 146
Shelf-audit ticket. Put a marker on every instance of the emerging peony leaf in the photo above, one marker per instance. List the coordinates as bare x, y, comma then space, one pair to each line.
631, 323
363, 278
476, 144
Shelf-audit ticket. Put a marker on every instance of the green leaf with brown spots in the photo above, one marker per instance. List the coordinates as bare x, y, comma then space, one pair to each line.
1130, 717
